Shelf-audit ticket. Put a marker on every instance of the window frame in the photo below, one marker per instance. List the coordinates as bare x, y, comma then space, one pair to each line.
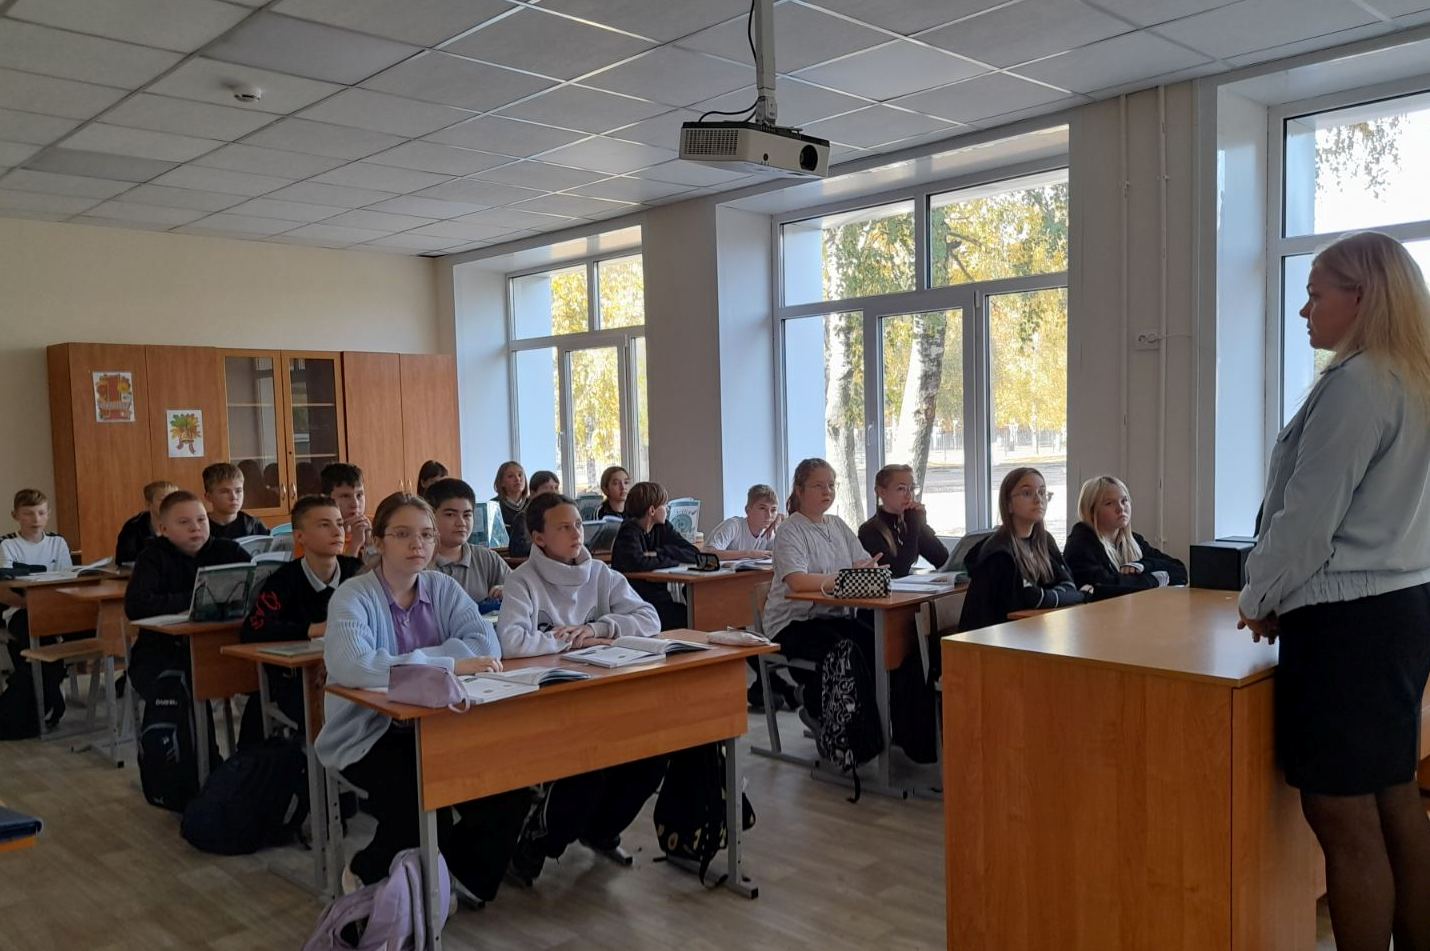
1279, 247
594, 337
971, 297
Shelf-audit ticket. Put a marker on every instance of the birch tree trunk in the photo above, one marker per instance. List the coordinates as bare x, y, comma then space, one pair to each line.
843, 405
919, 404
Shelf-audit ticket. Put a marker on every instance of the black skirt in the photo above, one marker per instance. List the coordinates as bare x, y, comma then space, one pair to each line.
1348, 689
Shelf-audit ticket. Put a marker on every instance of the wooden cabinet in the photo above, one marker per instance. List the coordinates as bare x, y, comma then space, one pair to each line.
430, 428
182, 380
401, 411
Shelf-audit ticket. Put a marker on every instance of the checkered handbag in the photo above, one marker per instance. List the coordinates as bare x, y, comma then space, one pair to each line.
862, 583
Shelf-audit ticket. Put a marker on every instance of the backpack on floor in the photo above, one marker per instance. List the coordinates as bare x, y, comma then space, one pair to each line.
19, 720
913, 710
385, 916
258, 798
690, 810
849, 733
168, 754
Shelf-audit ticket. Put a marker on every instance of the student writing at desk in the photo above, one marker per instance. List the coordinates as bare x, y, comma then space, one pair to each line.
562, 598
399, 613
646, 542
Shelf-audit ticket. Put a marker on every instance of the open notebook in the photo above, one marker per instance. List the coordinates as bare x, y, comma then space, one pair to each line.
625, 651
492, 686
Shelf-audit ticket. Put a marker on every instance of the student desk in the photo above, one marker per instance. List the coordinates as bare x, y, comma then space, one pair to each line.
714, 600
50, 614
106, 601
647, 710
212, 676
323, 809
895, 635
1110, 782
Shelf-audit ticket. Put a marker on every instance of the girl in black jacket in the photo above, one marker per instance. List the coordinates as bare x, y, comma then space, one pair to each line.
647, 542
1018, 567
1104, 553
900, 530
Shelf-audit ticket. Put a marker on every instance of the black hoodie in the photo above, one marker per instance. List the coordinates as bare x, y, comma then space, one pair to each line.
1090, 565
996, 587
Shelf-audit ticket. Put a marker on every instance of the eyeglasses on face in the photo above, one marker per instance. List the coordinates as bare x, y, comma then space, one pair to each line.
1042, 495
426, 536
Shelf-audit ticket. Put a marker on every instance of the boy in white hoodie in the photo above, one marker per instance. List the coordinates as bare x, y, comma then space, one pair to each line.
560, 599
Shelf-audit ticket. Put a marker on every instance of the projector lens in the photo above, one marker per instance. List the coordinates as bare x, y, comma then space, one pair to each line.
808, 158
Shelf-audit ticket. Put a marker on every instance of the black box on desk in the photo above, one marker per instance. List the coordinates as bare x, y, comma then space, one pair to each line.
1220, 564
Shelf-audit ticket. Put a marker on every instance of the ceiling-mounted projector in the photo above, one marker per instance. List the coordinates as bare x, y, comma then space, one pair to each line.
754, 142
755, 148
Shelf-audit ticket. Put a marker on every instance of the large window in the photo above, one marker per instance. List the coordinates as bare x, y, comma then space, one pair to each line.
1346, 168
931, 330
578, 370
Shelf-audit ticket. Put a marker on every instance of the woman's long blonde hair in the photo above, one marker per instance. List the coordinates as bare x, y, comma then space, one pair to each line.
1393, 322
1123, 549
1030, 554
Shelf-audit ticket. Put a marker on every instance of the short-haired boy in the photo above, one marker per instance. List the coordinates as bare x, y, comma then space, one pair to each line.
223, 487
33, 545
480, 571
342, 482
163, 582
292, 605
751, 535
142, 528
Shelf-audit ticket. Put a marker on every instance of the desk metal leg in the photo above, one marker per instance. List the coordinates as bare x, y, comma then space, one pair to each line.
334, 812
116, 720
317, 801
431, 881
39, 678
735, 879
690, 607
881, 696
201, 725
263, 716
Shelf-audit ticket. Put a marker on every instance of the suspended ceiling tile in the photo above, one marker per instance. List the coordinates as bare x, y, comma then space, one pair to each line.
453, 81
262, 161
182, 25
426, 23
584, 109
504, 136
208, 80
396, 115
539, 42
312, 50
65, 55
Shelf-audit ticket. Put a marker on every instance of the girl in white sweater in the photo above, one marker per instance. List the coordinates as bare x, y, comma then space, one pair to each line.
559, 599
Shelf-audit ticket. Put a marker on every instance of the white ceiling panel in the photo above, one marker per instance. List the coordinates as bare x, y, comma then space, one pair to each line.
182, 25
798, 102
381, 178
453, 81
662, 130
40, 202
182, 198
26, 180
589, 110
131, 224
207, 80
65, 55
331, 236
908, 16
540, 42
1108, 63
874, 126
504, 136
308, 49
510, 218
378, 221
124, 168
364, 109
443, 159
611, 156
425, 23
184, 117
147, 214
1010, 35
1149, 12
13, 153
425, 207
320, 138
220, 180
410, 242
142, 143
46, 95
1259, 24
894, 69
1374, 28
479, 194
225, 223
285, 210
575, 206
459, 231
31, 128
342, 196
673, 76
661, 20
803, 36
630, 189
531, 174
275, 162
691, 174
981, 97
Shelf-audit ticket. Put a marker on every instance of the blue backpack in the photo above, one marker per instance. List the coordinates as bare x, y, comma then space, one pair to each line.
386, 916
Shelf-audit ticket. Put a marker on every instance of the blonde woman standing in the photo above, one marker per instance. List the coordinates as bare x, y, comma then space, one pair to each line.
1341, 574
1105, 554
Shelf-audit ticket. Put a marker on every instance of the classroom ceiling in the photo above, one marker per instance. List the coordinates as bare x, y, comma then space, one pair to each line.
438, 126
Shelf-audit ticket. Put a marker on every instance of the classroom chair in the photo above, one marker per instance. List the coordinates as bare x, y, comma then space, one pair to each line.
767, 663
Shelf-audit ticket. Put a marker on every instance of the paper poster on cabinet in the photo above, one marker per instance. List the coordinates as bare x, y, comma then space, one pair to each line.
186, 433
113, 396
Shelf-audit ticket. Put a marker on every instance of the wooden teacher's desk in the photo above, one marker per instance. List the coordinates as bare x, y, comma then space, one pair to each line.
1110, 782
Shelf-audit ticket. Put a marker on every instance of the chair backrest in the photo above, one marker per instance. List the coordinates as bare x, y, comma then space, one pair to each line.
759, 594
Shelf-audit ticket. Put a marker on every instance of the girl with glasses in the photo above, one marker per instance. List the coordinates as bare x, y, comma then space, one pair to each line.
899, 530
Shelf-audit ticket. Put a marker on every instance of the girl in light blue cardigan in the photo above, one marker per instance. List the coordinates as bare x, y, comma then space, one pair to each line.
400, 614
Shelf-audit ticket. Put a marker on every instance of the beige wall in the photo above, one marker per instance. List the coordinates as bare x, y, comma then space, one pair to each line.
64, 282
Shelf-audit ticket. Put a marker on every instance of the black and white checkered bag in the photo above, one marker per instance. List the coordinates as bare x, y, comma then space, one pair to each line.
862, 583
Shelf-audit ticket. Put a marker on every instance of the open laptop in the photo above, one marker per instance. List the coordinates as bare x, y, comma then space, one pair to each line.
221, 593
957, 562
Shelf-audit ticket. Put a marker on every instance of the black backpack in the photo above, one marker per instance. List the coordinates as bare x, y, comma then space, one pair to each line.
849, 732
19, 720
690, 810
256, 799
913, 711
168, 754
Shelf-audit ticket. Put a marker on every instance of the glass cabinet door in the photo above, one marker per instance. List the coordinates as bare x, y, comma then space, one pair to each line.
315, 405
254, 435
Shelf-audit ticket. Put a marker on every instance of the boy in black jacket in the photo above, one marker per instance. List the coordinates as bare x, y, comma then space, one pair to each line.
163, 582
646, 542
142, 528
293, 603
223, 487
